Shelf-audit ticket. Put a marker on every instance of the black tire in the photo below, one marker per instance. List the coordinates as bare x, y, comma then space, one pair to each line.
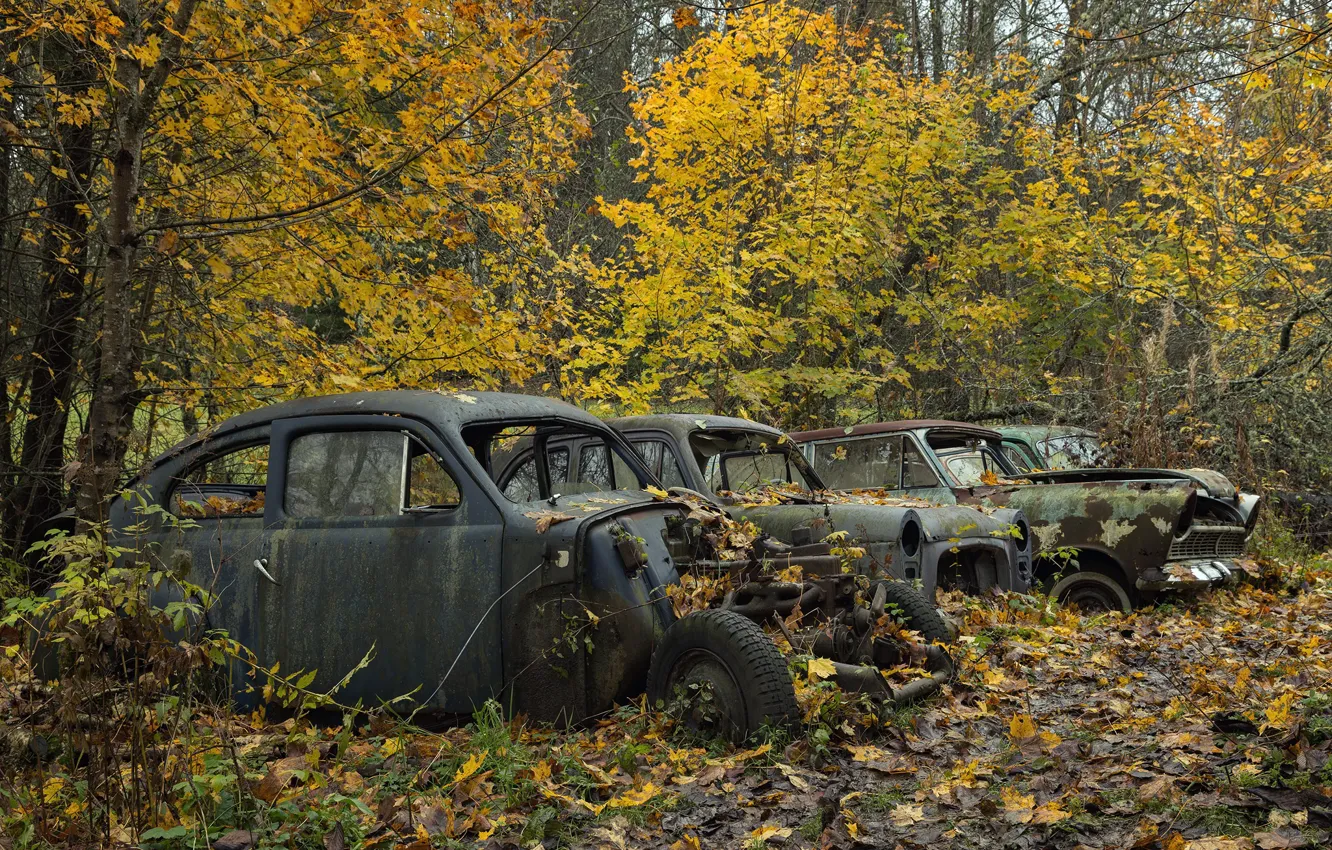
919, 613
721, 675
1092, 592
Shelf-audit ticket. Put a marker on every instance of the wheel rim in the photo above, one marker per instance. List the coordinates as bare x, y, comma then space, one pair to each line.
1091, 598
702, 693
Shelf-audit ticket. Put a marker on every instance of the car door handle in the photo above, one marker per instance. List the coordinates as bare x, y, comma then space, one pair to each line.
261, 564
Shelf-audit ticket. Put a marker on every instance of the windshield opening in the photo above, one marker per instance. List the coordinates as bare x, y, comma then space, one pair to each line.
744, 461
543, 470
1075, 451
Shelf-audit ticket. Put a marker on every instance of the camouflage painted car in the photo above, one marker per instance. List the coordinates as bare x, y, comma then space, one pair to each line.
735, 462
1069, 453
371, 525
1105, 539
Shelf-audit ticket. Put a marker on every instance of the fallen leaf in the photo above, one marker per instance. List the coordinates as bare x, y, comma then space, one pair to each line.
638, 797
1285, 838
905, 814
1022, 727
765, 832
545, 519
821, 668
471, 766
1050, 812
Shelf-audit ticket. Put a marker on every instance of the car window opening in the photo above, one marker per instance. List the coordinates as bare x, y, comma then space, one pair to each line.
544, 473
742, 461
231, 484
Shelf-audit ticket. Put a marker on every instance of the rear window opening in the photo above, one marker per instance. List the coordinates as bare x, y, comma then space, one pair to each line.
231, 484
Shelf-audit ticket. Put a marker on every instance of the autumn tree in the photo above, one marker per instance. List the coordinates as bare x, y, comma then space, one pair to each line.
294, 196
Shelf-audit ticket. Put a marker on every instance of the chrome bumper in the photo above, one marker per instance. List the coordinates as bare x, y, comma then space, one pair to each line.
1181, 575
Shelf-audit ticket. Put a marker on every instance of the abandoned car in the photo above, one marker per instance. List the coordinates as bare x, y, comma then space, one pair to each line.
1105, 539
758, 474
370, 523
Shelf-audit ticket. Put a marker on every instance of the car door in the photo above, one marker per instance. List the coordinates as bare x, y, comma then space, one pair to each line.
219, 492
385, 545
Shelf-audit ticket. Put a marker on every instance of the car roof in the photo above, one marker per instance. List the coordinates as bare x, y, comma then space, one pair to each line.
1041, 432
681, 425
456, 408
894, 427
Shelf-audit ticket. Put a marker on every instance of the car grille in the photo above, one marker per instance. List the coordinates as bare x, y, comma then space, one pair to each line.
1224, 541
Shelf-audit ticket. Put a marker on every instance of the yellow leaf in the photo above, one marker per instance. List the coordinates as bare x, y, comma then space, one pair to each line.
905, 814
1014, 799
51, 790
637, 797
821, 668
1021, 727
657, 492
1050, 812
746, 755
541, 771
866, 753
1278, 713
471, 766
391, 746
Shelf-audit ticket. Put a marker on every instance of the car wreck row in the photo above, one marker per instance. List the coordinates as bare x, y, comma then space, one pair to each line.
497, 546
406, 525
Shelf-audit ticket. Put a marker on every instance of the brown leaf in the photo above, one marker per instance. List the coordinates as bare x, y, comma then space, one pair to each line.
167, 243
545, 519
1282, 839
334, 839
278, 776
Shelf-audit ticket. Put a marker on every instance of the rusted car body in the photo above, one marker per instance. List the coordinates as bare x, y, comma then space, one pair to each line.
1131, 533
1071, 454
956, 546
371, 524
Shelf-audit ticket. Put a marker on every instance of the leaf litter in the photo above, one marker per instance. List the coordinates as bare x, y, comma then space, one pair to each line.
1201, 724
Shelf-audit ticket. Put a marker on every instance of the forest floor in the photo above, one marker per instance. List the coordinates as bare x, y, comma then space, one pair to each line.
1201, 724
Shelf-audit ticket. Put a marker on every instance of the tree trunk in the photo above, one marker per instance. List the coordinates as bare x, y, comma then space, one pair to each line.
1066, 117
937, 39
40, 491
117, 391
916, 44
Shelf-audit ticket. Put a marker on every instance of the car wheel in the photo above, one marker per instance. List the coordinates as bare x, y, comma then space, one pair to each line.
721, 675
919, 613
1092, 592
